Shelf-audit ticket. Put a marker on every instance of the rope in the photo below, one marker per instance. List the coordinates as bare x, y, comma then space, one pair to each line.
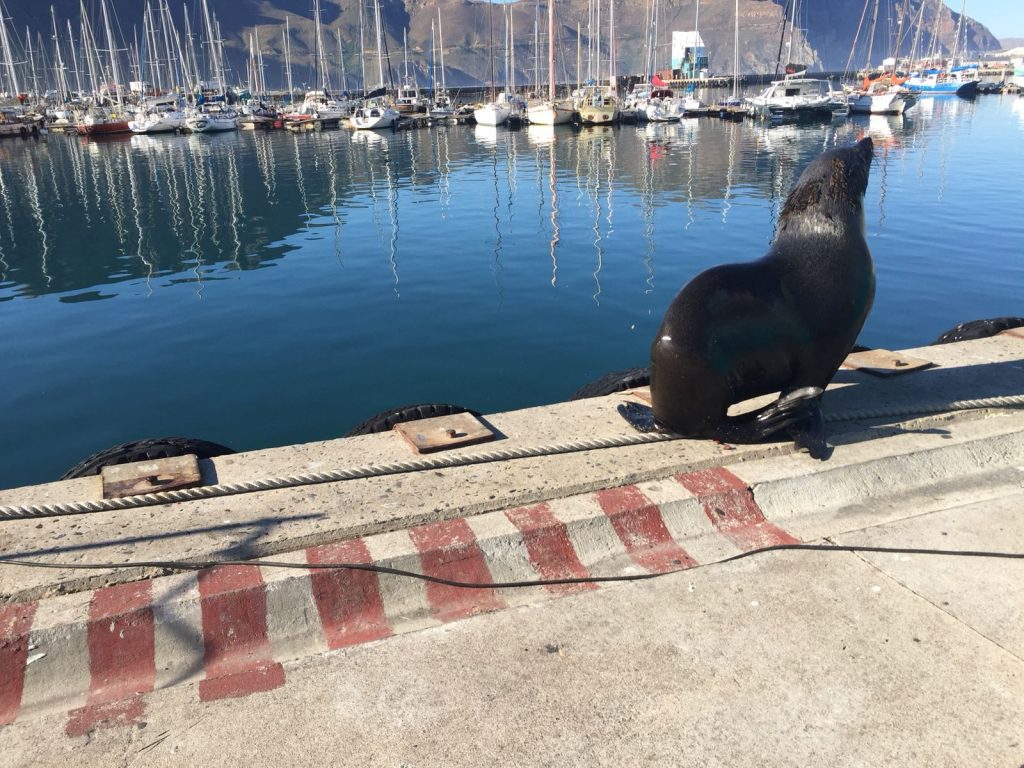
333, 476
32, 511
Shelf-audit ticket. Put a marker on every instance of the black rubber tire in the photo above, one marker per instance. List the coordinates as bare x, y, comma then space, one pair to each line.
617, 381
143, 450
979, 329
386, 420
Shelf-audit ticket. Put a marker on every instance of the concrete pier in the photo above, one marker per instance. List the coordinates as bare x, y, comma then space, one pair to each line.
793, 657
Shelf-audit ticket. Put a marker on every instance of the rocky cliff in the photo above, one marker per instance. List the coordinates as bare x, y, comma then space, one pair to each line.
824, 34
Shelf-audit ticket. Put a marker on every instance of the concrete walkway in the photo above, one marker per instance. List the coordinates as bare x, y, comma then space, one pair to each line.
727, 663
786, 659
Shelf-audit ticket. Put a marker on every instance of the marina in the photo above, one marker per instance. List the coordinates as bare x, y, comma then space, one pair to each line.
265, 288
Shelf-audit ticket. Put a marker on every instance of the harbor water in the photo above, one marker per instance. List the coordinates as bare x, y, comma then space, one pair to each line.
261, 289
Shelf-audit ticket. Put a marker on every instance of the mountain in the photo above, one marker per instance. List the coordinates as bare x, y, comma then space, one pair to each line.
825, 30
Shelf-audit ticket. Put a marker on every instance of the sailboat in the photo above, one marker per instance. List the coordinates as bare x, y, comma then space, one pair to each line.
599, 104
796, 97
100, 120
161, 114
880, 93
319, 104
376, 112
495, 112
409, 101
441, 107
213, 116
550, 112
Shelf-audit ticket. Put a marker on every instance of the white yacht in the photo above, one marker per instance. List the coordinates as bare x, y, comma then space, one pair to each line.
374, 115
799, 98
212, 119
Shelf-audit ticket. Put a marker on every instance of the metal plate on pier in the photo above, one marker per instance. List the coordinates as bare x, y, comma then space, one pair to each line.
883, 362
150, 476
641, 393
443, 432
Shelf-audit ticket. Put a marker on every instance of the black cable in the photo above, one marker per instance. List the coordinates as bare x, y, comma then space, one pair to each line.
180, 565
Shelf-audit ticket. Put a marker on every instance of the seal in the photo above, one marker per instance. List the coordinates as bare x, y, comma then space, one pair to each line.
783, 323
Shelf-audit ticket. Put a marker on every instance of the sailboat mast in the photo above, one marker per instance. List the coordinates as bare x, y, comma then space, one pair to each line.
440, 41
736, 52
612, 70
490, 46
579, 57
551, 49
380, 47
115, 72
871, 35
288, 56
362, 46
319, 44
341, 63
12, 74
211, 37
74, 58
62, 83
261, 75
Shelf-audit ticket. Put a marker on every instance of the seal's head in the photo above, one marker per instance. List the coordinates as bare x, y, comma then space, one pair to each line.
832, 187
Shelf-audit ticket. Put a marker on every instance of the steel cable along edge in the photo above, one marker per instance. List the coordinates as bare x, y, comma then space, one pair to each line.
32, 511
314, 478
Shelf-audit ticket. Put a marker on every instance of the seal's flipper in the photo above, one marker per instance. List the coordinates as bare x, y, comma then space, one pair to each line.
809, 435
640, 417
792, 408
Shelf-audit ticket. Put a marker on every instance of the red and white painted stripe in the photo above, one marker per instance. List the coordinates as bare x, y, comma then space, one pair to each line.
230, 628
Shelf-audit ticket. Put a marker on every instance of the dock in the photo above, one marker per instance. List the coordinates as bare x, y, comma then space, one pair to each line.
880, 642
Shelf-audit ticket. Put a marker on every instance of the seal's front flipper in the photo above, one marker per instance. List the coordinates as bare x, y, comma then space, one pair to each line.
640, 417
792, 408
809, 435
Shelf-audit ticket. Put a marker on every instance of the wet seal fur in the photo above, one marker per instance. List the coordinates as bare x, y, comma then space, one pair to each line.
783, 323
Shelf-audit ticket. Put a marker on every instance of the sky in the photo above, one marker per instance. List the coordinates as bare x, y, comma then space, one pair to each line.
1004, 18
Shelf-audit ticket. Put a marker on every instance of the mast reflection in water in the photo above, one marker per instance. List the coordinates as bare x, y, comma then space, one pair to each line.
259, 288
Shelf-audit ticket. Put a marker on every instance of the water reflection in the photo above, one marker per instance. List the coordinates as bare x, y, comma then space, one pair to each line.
160, 211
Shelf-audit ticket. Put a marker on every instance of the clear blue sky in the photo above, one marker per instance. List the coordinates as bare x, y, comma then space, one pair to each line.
1004, 18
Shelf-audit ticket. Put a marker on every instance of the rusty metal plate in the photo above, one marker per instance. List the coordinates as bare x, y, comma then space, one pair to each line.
443, 432
883, 362
640, 393
150, 476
